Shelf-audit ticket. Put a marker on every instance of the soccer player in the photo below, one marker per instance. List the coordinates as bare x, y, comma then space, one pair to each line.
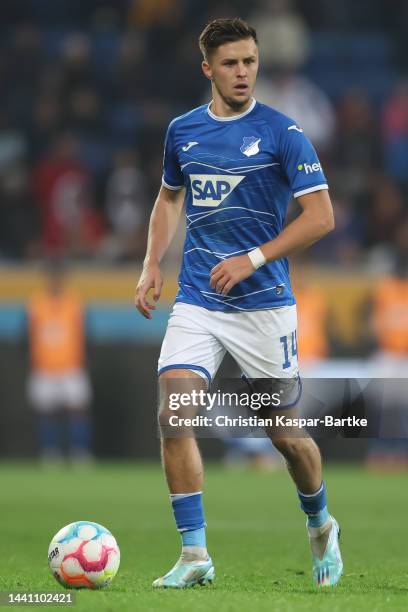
235, 163
59, 384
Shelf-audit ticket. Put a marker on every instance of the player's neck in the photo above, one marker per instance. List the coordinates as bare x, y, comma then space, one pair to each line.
221, 109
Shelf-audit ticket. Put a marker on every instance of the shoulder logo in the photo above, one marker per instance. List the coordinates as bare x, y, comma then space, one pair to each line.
295, 127
189, 145
308, 168
250, 146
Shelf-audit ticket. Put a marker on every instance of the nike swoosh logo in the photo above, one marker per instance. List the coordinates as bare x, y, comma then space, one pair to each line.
189, 145
295, 127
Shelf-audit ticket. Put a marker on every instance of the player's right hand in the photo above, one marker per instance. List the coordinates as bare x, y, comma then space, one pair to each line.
150, 279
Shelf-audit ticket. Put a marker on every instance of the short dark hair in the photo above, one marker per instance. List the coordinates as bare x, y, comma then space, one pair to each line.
224, 30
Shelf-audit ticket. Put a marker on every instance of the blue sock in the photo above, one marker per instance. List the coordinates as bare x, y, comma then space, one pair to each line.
80, 431
315, 506
189, 514
49, 433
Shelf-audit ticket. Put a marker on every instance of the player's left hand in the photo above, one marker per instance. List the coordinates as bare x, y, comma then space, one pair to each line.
225, 275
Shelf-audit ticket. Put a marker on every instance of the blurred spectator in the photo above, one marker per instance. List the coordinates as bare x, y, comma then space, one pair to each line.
384, 211
313, 319
58, 387
45, 121
145, 14
356, 149
62, 186
130, 74
126, 209
390, 328
13, 145
282, 33
75, 63
303, 101
84, 112
343, 246
24, 62
395, 130
346, 15
19, 218
50, 82
390, 319
395, 115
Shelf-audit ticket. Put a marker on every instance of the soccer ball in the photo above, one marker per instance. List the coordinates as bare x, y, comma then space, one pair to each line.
84, 555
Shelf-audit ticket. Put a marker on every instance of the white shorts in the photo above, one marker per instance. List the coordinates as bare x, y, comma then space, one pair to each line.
49, 392
262, 342
389, 365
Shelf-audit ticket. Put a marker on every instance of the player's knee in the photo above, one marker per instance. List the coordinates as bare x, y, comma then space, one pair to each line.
177, 387
164, 413
169, 416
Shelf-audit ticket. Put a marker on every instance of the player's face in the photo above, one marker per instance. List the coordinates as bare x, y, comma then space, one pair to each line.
232, 68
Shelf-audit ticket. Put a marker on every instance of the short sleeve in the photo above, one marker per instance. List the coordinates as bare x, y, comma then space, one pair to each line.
300, 163
172, 174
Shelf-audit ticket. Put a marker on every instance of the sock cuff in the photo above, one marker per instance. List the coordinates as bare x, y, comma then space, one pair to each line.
319, 490
315, 502
175, 496
189, 512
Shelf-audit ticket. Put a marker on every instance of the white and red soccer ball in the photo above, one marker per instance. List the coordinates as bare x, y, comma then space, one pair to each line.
84, 555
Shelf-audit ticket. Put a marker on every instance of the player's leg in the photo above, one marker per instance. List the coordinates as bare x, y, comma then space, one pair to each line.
304, 464
181, 457
302, 458
189, 358
275, 361
76, 396
184, 472
42, 394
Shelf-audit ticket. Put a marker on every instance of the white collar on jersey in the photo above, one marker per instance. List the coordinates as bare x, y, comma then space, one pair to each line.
234, 117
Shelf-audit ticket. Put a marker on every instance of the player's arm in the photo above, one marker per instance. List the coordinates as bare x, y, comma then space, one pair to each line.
314, 222
162, 227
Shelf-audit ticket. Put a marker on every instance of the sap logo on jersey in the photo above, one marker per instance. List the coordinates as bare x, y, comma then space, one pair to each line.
212, 189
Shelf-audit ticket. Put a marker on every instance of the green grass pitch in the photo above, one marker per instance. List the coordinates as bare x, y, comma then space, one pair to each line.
256, 536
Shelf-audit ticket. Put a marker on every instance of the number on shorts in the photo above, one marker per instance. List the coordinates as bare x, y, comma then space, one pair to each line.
286, 340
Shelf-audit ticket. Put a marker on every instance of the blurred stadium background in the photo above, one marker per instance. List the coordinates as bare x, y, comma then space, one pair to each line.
87, 91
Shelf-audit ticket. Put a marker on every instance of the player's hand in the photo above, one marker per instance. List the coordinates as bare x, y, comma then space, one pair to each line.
150, 279
225, 275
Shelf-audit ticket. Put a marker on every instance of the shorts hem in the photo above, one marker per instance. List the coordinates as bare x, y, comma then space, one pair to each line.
185, 366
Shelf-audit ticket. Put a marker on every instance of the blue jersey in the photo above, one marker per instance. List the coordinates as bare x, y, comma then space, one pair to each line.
239, 174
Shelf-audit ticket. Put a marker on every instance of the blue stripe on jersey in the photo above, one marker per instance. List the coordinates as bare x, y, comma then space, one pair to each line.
239, 176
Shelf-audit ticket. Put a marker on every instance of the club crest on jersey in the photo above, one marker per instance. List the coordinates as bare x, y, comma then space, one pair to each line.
212, 189
250, 146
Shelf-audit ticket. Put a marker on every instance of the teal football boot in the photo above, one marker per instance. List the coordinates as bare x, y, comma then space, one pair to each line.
184, 575
327, 570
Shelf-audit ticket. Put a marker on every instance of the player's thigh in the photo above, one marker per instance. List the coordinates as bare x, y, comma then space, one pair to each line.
181, 396
76, 390
263, 342
190, 344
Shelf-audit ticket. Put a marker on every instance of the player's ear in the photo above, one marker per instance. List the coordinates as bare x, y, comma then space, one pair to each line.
207, 69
